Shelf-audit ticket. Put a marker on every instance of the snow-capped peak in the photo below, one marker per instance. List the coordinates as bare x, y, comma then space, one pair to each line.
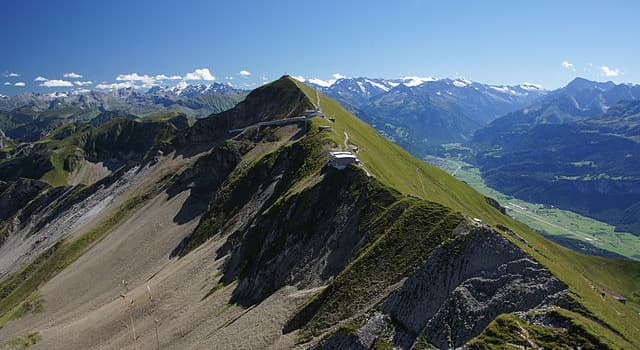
58, 94
179, 87
415, 81
504, 89
461, 83
380, 85
320, 82
531, 86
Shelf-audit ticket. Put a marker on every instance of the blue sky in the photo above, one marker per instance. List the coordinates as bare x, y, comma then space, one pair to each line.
144, 42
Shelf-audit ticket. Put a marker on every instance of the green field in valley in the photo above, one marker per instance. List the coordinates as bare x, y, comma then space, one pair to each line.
545, 218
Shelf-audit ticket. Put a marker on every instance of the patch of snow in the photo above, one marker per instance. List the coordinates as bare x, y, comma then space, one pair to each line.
530, 86
504, 90
58, 94
378, 85
179, 87
320, 82
459, 83
362, 88
415, 81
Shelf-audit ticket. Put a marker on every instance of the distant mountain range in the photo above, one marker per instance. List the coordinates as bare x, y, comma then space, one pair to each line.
578, 147
421, 114
27, 117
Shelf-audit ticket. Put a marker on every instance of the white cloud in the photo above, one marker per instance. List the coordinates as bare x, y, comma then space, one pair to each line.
147, 81
20, 83
11, 75
40, 78
228, 78
200, 74
245, 73
135, 77
6, 83
568, 65
610, 72
56, 83
337, 76
167, 77
72, 75
83, 83
123, 85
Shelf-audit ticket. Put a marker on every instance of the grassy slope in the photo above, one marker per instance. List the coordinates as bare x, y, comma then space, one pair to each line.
397, 168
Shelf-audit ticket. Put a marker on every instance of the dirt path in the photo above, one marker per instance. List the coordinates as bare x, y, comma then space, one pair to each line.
346, 142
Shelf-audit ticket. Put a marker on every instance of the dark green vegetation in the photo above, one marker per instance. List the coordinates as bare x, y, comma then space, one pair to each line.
547, 330
566, 152
412, 229
115, 143
21, 343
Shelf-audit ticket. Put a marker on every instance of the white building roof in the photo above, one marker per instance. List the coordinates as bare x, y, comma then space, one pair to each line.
343, 155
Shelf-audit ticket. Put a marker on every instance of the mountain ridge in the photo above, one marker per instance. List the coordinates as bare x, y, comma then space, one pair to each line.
244, 210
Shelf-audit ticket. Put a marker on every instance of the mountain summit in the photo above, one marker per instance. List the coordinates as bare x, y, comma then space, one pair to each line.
240, 232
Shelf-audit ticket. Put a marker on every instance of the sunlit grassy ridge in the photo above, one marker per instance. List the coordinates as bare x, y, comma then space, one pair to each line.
584, 274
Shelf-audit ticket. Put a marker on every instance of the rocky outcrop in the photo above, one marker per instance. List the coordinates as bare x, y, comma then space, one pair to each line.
465, 284
52, 213
17, 194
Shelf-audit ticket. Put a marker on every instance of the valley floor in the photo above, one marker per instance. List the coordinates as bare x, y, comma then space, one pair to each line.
558, 224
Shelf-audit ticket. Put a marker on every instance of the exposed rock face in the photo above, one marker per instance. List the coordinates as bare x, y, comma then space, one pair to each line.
17, 194
51, 213
460, 289
306, 251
